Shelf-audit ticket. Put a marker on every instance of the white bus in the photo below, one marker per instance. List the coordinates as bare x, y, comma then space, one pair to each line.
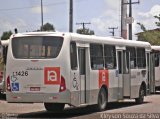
66, 68
3, 47
155, 57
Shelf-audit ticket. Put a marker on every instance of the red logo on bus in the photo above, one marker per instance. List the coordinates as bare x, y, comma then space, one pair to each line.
103, 78
52, 75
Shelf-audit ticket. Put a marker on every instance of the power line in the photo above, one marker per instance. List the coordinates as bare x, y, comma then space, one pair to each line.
113, 30
51, 4
19, 8
83, 24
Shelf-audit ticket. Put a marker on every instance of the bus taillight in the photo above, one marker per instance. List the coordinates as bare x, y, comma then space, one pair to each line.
62, 85
8, 84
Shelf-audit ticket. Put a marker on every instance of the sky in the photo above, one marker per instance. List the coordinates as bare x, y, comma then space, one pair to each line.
25, 15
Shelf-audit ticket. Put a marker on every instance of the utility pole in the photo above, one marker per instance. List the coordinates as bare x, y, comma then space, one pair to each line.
113, 30
123, 19
71, 16
83, 24
130, 16
41, 15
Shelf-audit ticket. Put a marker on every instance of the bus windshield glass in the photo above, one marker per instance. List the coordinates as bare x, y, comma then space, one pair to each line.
36, 47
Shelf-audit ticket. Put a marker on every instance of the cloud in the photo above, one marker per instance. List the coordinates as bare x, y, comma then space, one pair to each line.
109, 18
37, 9
155, 10
103, 23
147, 18
8, 24
112, 3
99, 24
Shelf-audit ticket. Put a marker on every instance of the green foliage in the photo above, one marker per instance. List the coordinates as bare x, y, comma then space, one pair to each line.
85, 31
153, 37
2, 65
157, 23
47, 27
6, 35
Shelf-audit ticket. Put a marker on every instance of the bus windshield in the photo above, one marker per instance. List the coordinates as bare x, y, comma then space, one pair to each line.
36, 47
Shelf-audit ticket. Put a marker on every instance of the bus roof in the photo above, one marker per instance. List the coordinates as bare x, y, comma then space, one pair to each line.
90, 39
111, 40
37, 34
155, 48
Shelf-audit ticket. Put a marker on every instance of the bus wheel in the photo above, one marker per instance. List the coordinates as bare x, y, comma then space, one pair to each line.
102, 100
141, 96
54, 107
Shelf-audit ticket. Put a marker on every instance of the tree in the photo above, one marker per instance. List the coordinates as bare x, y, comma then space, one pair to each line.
151, 36
85, 31
47, 27
157, 23
143, 28
6, 35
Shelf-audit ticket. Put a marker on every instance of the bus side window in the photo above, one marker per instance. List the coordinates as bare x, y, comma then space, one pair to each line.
110, 56
120, 62
133, 61
141, 58
73, 56
96, 55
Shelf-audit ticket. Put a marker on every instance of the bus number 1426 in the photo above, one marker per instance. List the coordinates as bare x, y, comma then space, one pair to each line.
20, 73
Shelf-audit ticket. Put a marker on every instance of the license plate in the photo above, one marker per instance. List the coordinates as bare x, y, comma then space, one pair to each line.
34, 88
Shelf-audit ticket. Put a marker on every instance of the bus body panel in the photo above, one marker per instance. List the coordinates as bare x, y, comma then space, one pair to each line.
136, 81
114, 86
75, 87
81, 87
36, 77
157, 76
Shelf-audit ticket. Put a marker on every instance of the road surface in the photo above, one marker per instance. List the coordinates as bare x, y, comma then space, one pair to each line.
128, 108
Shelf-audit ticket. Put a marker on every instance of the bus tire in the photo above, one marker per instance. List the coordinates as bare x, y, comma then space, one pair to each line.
140, 99
54, 107
102, 100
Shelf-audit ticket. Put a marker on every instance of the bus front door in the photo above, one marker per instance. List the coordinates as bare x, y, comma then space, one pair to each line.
126, 75
124, 81
152, 74
120, 74
82, 69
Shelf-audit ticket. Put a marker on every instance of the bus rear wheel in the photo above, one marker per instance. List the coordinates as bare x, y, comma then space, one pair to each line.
102, 100
140, 99
54, 107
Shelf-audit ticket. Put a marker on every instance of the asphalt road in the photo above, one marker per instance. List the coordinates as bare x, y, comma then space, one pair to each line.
122, 109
